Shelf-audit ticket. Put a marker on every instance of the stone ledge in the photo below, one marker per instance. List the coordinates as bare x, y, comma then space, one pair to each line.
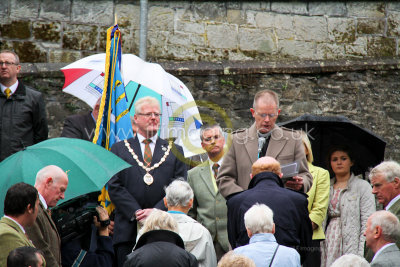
202, 68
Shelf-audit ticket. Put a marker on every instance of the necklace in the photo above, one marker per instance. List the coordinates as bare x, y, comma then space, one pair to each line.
148, 178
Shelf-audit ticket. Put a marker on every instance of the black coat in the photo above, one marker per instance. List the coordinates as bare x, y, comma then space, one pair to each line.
292, 223
160, 248
81, 126
129, 192
22, 120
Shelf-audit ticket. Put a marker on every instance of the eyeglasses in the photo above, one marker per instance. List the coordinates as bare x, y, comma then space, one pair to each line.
264, 115
8, 63
149, 115
209, 139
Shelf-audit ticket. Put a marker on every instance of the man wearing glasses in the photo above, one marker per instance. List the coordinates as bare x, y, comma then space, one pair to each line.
137, 190
263, 138
22, 110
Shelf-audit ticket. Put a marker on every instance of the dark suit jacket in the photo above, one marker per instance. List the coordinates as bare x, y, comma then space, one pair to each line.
80, 126
388, 257
44, 236
292, 222
129, 192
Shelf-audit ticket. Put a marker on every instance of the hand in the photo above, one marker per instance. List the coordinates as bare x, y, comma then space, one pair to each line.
111, 228
103, 215
141, 215
296, 183
314, 225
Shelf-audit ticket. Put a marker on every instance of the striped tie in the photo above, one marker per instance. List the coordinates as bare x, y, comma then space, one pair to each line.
7, 92
215, 169
147, 152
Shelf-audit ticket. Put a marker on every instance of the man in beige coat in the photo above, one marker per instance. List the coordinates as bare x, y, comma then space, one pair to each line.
51, 183
209, 207
20, 209
263, 138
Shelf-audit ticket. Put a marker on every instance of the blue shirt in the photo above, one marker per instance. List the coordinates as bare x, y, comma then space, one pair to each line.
261, 248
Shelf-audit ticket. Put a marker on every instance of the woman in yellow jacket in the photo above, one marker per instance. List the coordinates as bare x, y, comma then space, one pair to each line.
318, 200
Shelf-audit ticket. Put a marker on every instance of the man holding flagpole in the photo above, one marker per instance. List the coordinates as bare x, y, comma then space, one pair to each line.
137, 190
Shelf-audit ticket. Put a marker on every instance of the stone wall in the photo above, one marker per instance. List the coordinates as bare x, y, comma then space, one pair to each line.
365, 91
66, 30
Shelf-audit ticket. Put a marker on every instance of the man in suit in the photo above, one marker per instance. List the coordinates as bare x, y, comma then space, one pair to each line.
263, 138
137, 190
385, 181
51, 183
382, 230
23, 119
292, 222
209, 207
20, 209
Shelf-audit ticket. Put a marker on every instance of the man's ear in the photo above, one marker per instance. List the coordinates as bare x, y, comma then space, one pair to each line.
249, 233
190, 204
49, 181
165, 203
377, 232
252, 111
396, 182
280, 175
273, 229
29, 208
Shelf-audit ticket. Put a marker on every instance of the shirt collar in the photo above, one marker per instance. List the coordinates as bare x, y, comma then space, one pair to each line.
392, 202
13, 87
141, 138
381, 249
20, 226
262, 237
212, 162
41, 198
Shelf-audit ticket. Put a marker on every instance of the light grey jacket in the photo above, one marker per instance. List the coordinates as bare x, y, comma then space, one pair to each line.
388, 257
357, 203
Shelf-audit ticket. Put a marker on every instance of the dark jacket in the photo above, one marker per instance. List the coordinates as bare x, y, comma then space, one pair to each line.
160, 248
292, 222
81, 126
22, 120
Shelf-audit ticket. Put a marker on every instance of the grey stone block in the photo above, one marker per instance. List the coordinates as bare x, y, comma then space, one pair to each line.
327, 8
310, 28
161, 18
55, 10
366, 9
393, 24
297, 49
257, 40
190, 27
222, 36
94, 12
341, 30
128, 15
4, 8
27, 9
290, 7
357, 48
236, 16
215, 11
371, 26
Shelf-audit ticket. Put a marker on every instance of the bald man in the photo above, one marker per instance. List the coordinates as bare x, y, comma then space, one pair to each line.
51, 183
292, 222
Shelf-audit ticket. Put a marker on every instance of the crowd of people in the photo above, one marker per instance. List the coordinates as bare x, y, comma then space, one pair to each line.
232, 209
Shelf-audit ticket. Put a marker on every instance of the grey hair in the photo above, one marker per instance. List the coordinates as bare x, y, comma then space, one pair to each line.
231, 259
11, 52
388, 222
350, 260
147, 100
49, 171
206, 127
264, 93
388, 169
178, 193
160, 220
259, 219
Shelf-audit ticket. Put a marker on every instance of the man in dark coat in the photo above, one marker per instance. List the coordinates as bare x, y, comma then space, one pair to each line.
293, 225
22, 110
137, 190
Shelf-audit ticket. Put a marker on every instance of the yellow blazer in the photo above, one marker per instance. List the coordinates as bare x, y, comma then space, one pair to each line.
318, 198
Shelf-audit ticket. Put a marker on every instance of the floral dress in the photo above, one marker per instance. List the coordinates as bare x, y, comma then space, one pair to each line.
331, 248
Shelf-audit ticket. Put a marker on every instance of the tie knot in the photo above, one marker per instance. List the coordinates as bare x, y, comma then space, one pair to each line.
215, 166
7, 92
147, 141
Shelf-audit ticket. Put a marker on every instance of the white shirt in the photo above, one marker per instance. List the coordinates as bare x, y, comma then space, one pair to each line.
152, 144
380, 250
392, 202
41, 198
13, 88
211, 163
20, 226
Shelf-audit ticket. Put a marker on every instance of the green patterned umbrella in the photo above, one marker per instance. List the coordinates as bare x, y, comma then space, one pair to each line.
88, 166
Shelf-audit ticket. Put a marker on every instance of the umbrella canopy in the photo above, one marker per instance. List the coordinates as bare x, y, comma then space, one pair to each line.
180, 116
325, 132
89, 166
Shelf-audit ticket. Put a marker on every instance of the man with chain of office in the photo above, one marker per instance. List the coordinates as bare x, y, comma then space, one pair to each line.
137, 190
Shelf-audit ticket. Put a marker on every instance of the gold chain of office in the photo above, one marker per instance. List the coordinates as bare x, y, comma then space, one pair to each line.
148, 178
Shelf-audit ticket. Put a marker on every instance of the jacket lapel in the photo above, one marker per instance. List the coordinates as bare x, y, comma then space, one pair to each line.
205, 176
252, 143
276, 142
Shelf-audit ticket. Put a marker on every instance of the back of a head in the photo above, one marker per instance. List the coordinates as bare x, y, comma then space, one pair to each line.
23, 257
160, 220
231, 259
49, 171
18, 197
178, 193
259, 219
389, 224
266, 164
350, 260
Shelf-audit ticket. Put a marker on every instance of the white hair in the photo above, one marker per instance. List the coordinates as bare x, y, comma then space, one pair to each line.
207, 127
49, 171
259, 219
147, 100
160, 220
350, 260
178, 193
388, 169
388, 222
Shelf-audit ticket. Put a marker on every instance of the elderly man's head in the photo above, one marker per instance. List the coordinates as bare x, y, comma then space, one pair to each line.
259, 219
147, 116
266, 164
178, 196
382, 227
265, 110
51, 182
212, 140
385, 180
160, 220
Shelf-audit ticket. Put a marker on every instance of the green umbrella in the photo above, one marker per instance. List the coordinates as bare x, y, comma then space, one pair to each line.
89, 166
